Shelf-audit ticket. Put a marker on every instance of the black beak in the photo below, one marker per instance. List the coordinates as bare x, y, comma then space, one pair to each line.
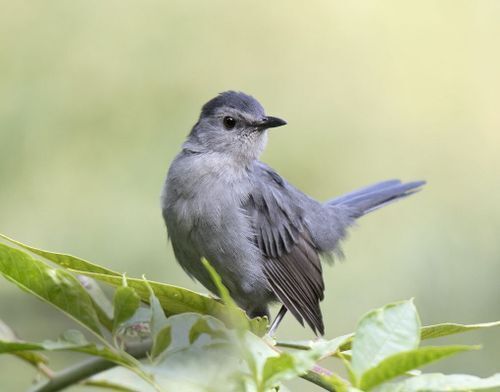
271, 122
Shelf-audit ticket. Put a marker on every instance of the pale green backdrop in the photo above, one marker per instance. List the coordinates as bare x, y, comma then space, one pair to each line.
97, 96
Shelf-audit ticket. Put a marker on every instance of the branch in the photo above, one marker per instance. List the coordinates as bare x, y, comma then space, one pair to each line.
317, 376
294, 345
73, 374
86, 369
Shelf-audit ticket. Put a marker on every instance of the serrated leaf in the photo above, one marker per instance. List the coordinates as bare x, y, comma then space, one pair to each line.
446, 329
177, 300
64, 260
384, 332
54, 286
402, 362
125, 303
437, 382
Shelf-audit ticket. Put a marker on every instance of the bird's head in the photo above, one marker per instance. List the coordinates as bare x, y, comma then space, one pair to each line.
233, 123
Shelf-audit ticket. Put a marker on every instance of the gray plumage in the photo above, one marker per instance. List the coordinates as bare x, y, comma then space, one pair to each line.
262, 235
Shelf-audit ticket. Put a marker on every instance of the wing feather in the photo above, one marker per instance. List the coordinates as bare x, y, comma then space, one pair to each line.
292, 262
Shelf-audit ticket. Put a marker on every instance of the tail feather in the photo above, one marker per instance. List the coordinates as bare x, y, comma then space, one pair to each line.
371, 198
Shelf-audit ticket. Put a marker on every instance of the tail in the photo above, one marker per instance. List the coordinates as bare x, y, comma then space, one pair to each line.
371, 198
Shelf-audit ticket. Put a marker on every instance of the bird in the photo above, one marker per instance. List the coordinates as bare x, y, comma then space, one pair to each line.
263, 236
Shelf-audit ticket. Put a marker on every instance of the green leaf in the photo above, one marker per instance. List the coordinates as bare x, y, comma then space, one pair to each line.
74, 341
437, 382
158, 318
118, 385
194, 369
285, 367
291, 364
33, 358
161, 341
384, 332
66, 261
177, 300
326, 348
223, 291
102, 304
207, 325
125, 302
71, 340
55, 286
160, 330
209, 363
440, 330
236, 316
445, 329
338, 383
402, 362
120, 379
181, 331
255, 352
173, 299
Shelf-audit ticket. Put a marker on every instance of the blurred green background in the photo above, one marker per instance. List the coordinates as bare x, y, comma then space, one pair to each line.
97, 97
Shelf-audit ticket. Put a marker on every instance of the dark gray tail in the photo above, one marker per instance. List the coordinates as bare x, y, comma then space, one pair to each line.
365, 200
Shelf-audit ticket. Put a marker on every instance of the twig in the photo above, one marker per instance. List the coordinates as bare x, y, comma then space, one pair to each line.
45, 370
294, 345
317, 374
85, 369
73, 374
319, 379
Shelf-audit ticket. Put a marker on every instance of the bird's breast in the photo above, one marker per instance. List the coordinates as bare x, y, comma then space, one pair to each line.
206, 190
203, 210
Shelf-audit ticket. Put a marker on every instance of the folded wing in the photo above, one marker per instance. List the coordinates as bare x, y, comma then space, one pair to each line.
292, 266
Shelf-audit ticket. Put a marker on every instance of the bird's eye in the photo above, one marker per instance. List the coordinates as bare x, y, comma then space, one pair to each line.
229, 122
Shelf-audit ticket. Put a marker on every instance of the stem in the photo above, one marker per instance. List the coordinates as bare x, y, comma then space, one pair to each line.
45, 370
74, 374
86, 368
317, 374
318, 378
294, 345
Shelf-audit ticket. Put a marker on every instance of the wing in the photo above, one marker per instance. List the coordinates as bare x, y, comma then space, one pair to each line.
292, 266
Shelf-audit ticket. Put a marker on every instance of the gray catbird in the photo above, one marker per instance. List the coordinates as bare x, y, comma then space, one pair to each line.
262, 235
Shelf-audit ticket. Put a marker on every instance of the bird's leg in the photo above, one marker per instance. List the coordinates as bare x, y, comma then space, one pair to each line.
276, 322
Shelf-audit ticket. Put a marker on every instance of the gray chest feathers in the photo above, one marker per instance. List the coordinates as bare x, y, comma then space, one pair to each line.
205, 190
202, 207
